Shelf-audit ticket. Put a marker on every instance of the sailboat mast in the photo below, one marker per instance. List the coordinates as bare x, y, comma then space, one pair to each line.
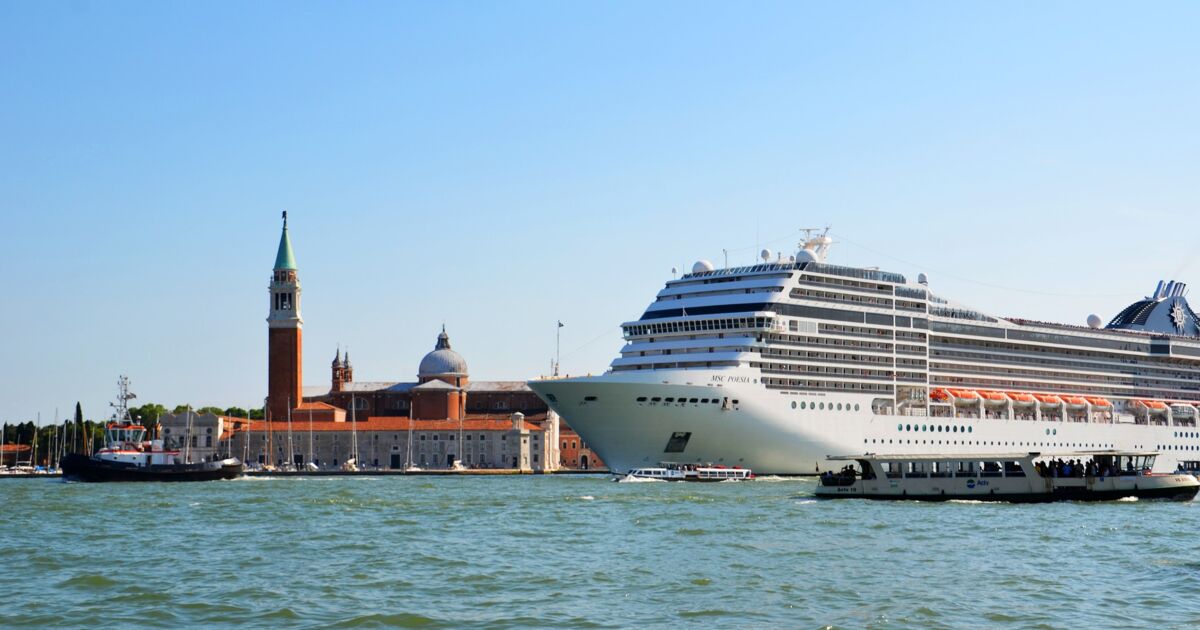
33, 459
353, 431
291, 442
270, 436
187, 437
354, 438
408, 458
246, 447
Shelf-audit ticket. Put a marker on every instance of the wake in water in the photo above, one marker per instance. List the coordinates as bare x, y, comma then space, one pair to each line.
628, 479
777, 478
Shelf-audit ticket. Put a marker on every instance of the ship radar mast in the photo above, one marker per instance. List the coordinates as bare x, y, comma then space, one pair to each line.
121, 407
815, 246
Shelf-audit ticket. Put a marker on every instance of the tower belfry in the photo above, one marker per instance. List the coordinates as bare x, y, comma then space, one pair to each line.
284, 324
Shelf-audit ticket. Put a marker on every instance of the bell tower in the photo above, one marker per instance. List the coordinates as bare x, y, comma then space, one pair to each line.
284, 380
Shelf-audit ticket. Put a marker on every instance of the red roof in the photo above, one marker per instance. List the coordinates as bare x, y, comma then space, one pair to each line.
316, 406
392, 423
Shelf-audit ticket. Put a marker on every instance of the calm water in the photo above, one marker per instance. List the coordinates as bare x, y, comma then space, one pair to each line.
579, 552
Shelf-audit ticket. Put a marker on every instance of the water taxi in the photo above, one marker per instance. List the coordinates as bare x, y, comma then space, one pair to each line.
1031, 477
669, 471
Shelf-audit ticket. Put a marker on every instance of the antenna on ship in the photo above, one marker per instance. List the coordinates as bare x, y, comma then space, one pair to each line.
815, 246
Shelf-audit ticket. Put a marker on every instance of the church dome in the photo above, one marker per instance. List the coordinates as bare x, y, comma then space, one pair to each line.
442, 361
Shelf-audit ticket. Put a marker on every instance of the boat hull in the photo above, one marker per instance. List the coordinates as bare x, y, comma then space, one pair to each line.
1017, 490
77, 467
776, 432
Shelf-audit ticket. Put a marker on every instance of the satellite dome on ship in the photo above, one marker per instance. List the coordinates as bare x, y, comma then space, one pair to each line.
442, 361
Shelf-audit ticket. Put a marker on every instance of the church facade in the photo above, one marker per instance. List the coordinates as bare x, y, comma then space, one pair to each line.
443, 418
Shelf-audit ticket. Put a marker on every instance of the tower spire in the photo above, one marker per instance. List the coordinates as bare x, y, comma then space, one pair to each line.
284, 258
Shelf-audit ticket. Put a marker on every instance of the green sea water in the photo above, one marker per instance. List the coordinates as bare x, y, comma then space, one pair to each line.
578, 552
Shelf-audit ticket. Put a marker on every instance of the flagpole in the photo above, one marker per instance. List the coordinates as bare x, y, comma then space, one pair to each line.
557, 346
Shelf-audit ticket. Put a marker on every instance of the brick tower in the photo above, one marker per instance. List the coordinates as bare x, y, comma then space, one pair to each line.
284, 325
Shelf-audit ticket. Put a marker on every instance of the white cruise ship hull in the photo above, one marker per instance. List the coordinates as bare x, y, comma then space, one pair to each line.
770, 432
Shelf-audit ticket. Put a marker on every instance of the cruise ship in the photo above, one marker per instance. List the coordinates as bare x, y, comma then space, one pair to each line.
778, 365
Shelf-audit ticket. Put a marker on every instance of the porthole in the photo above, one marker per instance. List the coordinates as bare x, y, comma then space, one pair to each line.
822, 406
793, 404
924, 427
1047, 431
899, 427
856, 406
939, 428
954, 429
970, 429
908, 427
1055, 431
839, 408
803, 406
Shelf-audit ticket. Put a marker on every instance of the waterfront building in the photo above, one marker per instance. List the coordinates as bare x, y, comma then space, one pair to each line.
195, 435
486, 424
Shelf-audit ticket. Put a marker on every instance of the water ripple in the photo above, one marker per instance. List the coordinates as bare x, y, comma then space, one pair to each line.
532, 551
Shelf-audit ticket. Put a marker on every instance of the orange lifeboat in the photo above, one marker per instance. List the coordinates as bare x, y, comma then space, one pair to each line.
1075, 402
1048, 399
964, 396
992, 397
939, 395
1020, 398
1098, 402
1152, 405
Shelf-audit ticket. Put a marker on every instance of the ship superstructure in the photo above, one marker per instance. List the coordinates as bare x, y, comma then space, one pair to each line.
774, 366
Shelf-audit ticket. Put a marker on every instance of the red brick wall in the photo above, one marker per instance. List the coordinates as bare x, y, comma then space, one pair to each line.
283, 370
573, 452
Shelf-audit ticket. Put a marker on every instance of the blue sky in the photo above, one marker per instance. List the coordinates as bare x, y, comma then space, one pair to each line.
500, 166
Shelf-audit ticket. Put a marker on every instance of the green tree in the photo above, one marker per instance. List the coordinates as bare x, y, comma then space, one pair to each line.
257, 414
180, 409
216, 411
236, 412
148, 414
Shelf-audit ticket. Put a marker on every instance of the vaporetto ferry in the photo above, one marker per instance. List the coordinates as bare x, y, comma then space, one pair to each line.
777, 365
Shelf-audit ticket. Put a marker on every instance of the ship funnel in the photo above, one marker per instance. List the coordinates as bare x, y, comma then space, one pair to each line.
1158, 290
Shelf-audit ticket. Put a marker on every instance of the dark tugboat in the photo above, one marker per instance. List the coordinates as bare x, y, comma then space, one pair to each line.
127, 456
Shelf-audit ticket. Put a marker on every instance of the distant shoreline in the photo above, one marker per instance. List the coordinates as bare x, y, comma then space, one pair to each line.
365, 473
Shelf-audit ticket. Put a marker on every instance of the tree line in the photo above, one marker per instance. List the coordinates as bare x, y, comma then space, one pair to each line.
78, 435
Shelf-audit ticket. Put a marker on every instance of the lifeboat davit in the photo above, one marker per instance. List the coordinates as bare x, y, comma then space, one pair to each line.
1182, 410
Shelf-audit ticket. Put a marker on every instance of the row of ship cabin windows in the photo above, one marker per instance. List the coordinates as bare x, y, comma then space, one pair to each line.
701, 401
1177, 447
821, 406
950, 429
987, 443
1186, 434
